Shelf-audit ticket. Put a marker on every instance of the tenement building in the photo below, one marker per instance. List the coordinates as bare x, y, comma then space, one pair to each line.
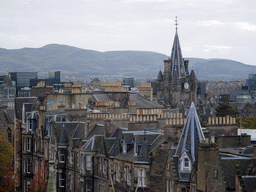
175, 86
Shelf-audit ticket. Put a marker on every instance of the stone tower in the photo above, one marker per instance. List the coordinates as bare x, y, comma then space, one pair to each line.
175, 85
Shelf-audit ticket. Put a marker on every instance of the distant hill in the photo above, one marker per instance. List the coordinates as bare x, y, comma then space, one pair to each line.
81, 63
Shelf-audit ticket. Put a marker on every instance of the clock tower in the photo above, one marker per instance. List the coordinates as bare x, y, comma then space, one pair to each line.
175, 86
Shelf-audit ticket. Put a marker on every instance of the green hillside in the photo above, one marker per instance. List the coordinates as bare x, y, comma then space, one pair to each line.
139, 64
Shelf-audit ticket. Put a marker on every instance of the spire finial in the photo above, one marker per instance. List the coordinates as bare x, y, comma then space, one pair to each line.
176, 23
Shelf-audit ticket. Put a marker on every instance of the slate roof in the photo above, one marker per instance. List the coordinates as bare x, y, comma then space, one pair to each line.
229, 169
236, 152
109, 143
93, 144
98, 129
192, 134
177, 63
102, 98
115, 149
10, 115
147, 140
143, 103
19, 101
118, 132
249, 183
67, 131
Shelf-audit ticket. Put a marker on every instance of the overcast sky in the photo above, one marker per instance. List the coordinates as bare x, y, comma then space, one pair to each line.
207, 28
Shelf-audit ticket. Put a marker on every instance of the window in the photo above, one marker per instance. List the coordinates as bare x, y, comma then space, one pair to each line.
35, 166
24, 165
168, 186
30, 125
35, 145
9, 136
101, 188
61, 180
28, 165
70, 182
102, 165
117, 171
28, 144
87, 187
128, 175
62, 156
215, 174
28, 185
186, 162
141, 177
24, 143
88, 162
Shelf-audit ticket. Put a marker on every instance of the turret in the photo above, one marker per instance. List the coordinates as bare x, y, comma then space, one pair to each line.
192, 75
160, 76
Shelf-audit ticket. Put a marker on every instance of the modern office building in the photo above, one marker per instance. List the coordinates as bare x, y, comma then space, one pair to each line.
22, 79
128, 82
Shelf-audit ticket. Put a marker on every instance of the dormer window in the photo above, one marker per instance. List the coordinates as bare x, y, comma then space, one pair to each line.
186, 162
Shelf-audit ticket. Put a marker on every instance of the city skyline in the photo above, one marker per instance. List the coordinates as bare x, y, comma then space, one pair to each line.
207, 29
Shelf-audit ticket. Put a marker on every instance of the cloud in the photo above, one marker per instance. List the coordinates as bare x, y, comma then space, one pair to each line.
246, 26
135, 1
212, 22
210, 48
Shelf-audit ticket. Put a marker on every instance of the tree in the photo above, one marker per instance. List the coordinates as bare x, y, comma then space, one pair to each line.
248, 122
6, 158
39, 181
8, 183
6, 155
224, 109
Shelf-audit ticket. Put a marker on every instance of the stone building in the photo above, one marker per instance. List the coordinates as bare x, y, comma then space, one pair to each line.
175, 85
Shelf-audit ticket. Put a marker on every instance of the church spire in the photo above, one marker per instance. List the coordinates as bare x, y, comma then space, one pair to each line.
177, 62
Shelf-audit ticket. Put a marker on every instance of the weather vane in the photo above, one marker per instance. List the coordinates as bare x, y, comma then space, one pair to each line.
176, 23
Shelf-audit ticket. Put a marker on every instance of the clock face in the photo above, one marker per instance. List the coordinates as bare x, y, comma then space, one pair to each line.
186, 85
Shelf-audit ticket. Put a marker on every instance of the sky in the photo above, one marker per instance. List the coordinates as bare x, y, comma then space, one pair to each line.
207, 28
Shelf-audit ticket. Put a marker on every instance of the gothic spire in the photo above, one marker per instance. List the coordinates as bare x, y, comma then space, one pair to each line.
177, 62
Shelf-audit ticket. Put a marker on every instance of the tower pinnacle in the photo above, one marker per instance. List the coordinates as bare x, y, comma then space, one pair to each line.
176, 23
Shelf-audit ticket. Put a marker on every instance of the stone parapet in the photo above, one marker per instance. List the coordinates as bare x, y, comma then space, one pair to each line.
221, 120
